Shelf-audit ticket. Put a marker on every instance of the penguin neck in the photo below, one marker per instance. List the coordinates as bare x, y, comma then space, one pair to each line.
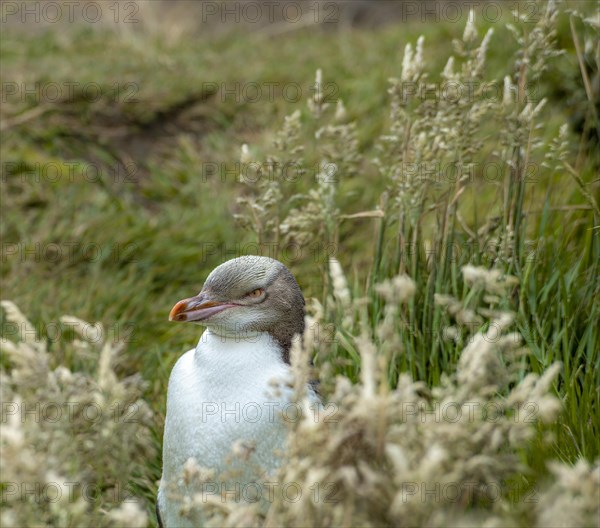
231, 352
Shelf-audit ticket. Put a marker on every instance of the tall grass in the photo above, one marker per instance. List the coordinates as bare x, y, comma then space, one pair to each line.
442, 211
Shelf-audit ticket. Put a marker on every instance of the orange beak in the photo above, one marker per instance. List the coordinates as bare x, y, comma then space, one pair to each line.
197, 309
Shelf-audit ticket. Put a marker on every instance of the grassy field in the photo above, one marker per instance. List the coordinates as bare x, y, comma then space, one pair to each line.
121, 190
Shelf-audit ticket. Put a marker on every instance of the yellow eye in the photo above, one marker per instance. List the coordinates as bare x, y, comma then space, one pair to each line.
255, 293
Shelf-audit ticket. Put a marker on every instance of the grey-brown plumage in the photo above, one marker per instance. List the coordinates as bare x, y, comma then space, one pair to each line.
280, 312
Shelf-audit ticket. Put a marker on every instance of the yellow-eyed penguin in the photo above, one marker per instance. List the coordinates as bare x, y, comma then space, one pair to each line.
222, 391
